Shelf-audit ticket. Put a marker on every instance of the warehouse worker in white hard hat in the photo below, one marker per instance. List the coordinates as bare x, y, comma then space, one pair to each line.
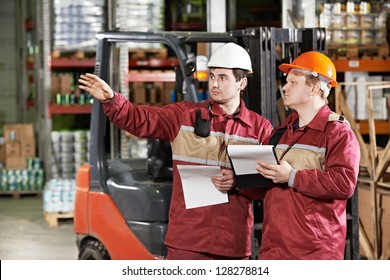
199, 133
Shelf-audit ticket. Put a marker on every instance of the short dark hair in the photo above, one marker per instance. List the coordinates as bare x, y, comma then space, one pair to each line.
240, 73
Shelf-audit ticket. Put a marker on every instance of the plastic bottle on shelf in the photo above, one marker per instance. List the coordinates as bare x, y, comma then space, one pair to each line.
58, 98
365, 7
82, 98
350, 7
72, 99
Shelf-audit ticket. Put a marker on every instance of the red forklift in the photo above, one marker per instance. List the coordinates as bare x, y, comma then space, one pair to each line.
122, 204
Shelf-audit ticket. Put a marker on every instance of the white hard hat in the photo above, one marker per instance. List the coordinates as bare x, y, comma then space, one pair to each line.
231, 56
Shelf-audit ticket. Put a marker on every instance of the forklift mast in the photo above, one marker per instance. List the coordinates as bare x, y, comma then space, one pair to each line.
268, 48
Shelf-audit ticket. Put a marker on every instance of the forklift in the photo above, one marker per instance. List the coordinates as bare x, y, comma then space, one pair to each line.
122, 203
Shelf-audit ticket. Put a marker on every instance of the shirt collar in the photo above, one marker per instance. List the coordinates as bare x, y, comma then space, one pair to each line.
243, 115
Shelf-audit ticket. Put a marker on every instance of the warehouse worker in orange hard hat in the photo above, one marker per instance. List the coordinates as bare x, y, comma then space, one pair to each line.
305, 212
199, 133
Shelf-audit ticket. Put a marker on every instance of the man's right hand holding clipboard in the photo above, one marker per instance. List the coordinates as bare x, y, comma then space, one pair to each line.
245, 159
278, 174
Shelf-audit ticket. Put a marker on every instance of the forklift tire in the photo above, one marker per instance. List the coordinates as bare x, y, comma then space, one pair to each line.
93, 250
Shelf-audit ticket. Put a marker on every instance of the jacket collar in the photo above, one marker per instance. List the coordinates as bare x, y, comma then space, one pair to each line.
243, 114
318, 122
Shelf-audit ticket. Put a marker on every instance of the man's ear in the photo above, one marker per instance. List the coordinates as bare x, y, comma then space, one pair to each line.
316, 88
243, 83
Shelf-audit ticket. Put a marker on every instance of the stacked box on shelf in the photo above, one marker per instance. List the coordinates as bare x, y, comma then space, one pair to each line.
347, 28
2, 153
136, 15
64, 90
76, 23
2, 156
19, 145
354, 33
59, 195
153, 93
70, 151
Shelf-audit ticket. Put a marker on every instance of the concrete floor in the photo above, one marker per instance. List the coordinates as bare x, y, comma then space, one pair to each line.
26, 235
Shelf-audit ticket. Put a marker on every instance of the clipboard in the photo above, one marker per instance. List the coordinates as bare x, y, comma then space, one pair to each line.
243, 161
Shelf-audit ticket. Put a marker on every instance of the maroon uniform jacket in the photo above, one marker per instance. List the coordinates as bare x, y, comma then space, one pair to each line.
306, 218
222, 229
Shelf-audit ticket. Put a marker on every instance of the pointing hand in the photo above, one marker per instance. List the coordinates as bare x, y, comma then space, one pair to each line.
95, 86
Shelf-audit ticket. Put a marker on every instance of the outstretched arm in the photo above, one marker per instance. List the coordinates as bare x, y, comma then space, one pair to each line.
96, 86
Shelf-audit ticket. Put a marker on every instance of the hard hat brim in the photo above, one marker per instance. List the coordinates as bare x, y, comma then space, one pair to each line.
250, 71
286, 68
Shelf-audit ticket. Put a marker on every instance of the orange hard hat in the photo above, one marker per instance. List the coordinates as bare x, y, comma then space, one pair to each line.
315, 62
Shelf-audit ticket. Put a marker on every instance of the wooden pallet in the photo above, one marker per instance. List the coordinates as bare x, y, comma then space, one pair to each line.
52, 218
19, 194
358, 50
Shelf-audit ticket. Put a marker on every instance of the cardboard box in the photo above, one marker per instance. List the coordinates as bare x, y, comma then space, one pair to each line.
203, 49
138, 95
15, 163
12, 149
26, 132
55, 87
155, 96
11, 132
2, 154
18, 132
66, 83
27, 148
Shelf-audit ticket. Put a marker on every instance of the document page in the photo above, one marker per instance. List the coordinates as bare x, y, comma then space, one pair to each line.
197, 186
244, 157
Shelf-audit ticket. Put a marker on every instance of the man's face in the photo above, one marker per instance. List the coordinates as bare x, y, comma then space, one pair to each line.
296, 91
223, 86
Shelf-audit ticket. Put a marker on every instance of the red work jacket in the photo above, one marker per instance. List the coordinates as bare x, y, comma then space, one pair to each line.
222, 229
306, 218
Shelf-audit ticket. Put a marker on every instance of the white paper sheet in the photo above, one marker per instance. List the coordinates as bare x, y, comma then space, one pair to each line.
244, 157
197, 186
